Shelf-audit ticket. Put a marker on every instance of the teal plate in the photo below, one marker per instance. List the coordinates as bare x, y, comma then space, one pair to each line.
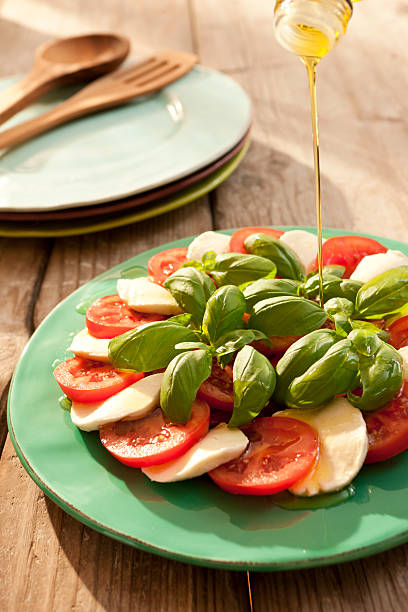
191, 521
138, 146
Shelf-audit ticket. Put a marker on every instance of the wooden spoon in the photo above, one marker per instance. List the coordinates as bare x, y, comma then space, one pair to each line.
111, 90
64, 61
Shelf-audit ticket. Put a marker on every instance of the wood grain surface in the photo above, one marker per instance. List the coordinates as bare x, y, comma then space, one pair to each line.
48, 560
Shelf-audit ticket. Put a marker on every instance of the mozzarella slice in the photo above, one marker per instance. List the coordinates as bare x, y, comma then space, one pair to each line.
373, 265
145, 296
131, 403
404, 354
303, 243
220, 445
343, 446
208, 241
86, 346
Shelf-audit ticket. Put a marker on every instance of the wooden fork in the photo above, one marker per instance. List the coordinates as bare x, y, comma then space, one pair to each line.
114, 89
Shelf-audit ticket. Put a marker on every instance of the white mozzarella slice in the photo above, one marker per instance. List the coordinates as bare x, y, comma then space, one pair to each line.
87, 346
343, 446
208, 241
373, 265
131, 403
303, 243
220, 445
143, 295
404, 354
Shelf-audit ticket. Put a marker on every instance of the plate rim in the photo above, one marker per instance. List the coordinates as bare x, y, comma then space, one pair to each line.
342, 557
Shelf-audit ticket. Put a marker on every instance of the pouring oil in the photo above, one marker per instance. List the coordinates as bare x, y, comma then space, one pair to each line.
310, 29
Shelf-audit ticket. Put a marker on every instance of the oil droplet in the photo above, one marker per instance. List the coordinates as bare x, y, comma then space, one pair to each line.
65, 402
290, 502
133, 272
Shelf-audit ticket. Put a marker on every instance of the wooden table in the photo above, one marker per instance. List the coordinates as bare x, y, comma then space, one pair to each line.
50, 561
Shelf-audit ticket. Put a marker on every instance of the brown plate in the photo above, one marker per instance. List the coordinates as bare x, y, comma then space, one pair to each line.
153, 195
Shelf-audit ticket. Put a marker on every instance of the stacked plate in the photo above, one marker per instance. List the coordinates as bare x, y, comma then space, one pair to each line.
127, 164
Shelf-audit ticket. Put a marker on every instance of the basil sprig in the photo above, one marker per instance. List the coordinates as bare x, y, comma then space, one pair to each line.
254, 382
234, 341
380, 367
181, 381
333, 286
268, 288
286, 260
287, 316
332, 374
150, 347
239, 268
383, 295
191, 289
224, 312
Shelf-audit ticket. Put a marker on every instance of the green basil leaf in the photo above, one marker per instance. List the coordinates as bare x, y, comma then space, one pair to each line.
342, 324
337, 305
254, 383
332, 374
334, 269
333, 286
286, 260
192, 346
235, 340
238, 268
384, 294
150, 347
299, 357
223, 313
287, 316
380, 370
181, 381
208, 260
381, 333
267, 288
191, 289
184, 319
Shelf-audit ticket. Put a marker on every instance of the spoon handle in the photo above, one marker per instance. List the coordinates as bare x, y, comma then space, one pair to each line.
20, 94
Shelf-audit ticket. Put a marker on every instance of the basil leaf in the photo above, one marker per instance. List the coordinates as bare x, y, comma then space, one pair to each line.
299, 357
332, 287
342, 324
366, 325
184, 319
334, 269
191, 290
235, 340
181, 381
267, 288
223, 313
383, 295
192, 346
238, 268
208, 260
150, 347
337, 305
286, 260
332, 374
287, 316
254, 382
380, 370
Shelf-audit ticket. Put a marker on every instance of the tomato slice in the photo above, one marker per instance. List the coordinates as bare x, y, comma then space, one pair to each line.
218, 390
163, 264
387, 428
85, 380
280, 344
154, 439
109, 316
281, 451
348, 251
399, 333
238, 238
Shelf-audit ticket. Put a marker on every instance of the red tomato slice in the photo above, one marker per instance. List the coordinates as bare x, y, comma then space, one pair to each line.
163, 264
399, 333
109, 316
281, 451
218, 390
279, 345
154, 439
348, 251
387, 428
85, 380
238, 238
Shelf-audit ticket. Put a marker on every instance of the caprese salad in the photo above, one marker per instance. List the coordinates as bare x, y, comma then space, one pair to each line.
223, 361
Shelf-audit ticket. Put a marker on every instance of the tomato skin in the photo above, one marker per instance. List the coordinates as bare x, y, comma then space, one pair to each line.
109, 316
218, 390
86, 380
163, 264
281, 451
154, 439
387, 428
238, 238
348, 251
399, 333
280, 344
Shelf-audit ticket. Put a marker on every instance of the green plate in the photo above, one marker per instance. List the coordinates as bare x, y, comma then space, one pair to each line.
191, 521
